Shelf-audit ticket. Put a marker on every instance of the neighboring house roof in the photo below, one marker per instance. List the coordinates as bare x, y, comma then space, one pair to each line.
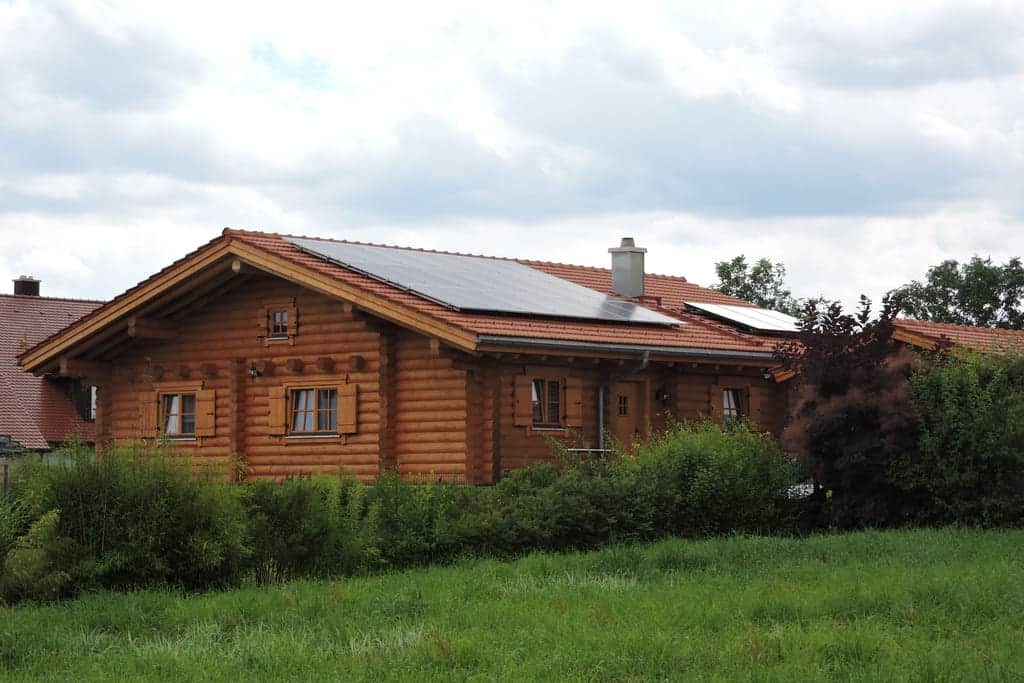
33, 411
472, 331
927, 334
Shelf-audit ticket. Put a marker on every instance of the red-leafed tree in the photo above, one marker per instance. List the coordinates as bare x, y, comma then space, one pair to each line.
853, 414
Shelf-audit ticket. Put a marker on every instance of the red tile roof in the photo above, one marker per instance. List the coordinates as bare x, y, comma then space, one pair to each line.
33, 411
982, 339
694, 331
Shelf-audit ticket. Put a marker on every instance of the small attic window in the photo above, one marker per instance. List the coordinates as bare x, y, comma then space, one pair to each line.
278, 320
278, 324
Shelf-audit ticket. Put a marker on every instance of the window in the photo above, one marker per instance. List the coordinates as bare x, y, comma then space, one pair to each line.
547, 403
732, 404
278, 321
178, 414
279, 324
623, 406
314, 411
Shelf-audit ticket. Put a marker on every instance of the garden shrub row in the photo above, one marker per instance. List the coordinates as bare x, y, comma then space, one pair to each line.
137, 517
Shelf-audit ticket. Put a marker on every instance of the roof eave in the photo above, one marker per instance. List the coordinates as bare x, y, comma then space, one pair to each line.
487, 343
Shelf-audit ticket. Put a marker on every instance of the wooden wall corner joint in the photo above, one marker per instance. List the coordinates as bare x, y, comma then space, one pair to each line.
356, 363
325, 364
295, 365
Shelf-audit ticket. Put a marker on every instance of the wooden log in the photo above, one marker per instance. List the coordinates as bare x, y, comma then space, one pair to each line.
152, 328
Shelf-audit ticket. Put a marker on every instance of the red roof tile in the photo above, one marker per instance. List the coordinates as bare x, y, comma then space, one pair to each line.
982, 339
33, 411
694, 331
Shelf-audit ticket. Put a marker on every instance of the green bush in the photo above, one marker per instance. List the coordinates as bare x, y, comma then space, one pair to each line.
136, 517
34, 568
307, 526
969, 465
692, 480
414, 522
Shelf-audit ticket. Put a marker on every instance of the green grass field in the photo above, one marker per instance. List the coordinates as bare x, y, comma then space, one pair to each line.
919, 606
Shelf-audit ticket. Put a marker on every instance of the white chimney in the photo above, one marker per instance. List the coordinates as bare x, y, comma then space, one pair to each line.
628, 269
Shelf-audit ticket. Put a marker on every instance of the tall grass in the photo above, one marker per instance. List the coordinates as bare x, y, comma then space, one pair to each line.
938, 605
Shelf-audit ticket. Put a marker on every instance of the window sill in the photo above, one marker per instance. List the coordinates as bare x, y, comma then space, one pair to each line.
325, 435
547, 429
278, 338
190, 437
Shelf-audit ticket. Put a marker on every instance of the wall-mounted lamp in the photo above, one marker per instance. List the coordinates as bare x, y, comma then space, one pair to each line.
254, 371
663, 394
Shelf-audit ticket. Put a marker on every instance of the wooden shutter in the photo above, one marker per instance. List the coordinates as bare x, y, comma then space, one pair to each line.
293, 319
756, 397
348, 408
149, 412
523, 401
717, 405
573, 402
278, 420
262, 321
206, 412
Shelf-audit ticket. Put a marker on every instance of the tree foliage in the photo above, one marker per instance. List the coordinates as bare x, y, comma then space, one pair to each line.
762, 283
975, 293
853, 414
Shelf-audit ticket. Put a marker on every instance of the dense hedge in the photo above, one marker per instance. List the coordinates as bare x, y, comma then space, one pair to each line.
968, 467
136, 517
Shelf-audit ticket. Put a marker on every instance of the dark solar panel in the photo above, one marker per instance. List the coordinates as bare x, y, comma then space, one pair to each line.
473, 283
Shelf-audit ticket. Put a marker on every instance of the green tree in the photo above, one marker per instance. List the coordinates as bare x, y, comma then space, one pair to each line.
975, 293
762, 283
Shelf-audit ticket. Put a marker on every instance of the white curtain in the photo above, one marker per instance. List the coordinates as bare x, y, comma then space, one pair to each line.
172, 414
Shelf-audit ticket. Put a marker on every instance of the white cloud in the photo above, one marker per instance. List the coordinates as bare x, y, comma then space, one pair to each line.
859, 143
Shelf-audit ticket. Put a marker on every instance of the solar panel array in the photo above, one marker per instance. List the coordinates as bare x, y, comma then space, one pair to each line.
759, 319
474, 283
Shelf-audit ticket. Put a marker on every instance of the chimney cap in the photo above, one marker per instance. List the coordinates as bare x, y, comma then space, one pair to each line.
628, 244
26, 285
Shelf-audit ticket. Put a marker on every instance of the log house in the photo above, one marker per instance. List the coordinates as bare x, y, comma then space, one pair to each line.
257, 348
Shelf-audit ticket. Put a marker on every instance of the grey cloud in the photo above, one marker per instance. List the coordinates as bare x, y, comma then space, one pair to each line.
65, 57
956, 44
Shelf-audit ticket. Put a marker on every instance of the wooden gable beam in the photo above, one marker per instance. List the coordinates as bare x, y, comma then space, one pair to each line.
88, 332
151, 328
80, 369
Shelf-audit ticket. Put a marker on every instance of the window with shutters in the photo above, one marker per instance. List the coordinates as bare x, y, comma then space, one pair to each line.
545, 398
317, 409
178, 414
178, 410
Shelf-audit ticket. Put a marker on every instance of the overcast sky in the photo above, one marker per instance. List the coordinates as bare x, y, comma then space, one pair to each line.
856, 142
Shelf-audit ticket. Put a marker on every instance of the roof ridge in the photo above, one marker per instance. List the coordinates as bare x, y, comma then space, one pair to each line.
36, 297
229, 231
962, 326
